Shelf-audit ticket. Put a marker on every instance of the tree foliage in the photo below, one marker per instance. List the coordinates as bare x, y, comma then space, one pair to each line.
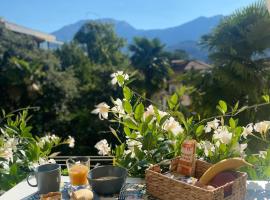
148, 58
102, 44
237, 48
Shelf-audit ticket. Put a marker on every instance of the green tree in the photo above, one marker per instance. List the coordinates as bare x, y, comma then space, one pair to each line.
72, 56
94, 86
102, 44
177, 54
237, 49
30, 76
147, 56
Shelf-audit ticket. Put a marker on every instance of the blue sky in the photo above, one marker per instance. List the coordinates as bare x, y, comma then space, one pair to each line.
50, 15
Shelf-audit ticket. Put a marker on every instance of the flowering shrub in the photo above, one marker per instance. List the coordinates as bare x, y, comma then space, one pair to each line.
148, 135
225, 141
261, 161
20, 150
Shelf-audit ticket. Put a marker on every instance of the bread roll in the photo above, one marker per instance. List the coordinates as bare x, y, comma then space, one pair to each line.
83, 194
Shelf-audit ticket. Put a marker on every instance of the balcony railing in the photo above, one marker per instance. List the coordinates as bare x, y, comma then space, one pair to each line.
94, 160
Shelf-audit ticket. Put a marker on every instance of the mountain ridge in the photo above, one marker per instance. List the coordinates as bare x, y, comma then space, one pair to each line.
173, 37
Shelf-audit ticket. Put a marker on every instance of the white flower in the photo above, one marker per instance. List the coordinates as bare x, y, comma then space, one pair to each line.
217, 144
103, 147
239, 148
118, 74
131, 147
71, 141
247, 130
47, 139
9, 146
162, 114
54, 137
12, 143
132, 153
118, 108
262, 127
7, 154
186, 100
173, 126
149, 112
211, 125
132, 143
262, 154
223, 135
207, 147
102, 110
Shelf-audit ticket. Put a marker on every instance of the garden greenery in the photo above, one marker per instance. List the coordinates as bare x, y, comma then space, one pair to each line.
20, 150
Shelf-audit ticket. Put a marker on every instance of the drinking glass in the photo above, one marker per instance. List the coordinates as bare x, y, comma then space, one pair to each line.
78, 168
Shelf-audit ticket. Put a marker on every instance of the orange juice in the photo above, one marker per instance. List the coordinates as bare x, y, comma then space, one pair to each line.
78, 174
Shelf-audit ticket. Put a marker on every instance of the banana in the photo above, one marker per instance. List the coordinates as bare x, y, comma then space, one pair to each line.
224, 165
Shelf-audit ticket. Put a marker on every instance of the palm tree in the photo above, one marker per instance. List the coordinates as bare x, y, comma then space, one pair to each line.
238, 49
147, 57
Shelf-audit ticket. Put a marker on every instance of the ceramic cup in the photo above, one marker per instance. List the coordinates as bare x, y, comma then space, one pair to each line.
48, 178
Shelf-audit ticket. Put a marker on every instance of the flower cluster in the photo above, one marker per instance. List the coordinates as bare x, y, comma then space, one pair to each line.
47, 140
150, 133
9, 146
119, 77
53, 139
103, 147
225, 140
21, 151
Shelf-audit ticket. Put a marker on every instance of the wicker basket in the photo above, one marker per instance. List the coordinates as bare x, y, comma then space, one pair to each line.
165, 188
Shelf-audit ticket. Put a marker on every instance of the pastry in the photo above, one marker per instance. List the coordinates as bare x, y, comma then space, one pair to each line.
51, 196
83, 194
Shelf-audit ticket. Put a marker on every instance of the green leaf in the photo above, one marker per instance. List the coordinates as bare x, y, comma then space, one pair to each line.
143, 128
156, 113
174, 99
148, 119
120, 79
13, 170
119, 150
130, 124
252, 174
163, 119
139, 111
267, 171
149, 141
127, 106
127, 131
266, 98
127, 93
223, 106
139, 154
232, 123
199, 130
235, 107
222, 147
115, 134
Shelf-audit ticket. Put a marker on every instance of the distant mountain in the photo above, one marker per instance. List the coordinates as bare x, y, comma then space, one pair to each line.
192, 48
185, 36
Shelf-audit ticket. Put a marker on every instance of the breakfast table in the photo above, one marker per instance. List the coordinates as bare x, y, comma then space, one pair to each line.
256, 190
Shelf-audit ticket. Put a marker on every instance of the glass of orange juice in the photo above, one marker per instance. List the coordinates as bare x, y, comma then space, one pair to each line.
78, 169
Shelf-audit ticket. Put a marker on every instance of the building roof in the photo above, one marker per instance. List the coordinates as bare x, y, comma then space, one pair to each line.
185, 65
39, 36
